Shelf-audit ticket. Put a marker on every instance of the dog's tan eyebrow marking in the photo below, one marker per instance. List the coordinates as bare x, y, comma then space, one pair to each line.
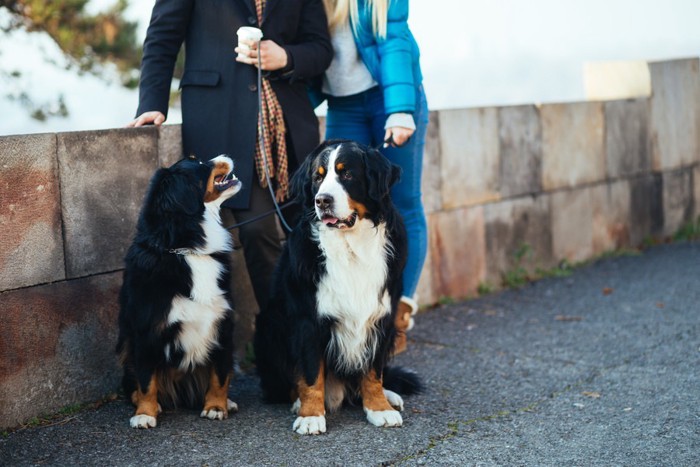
339, 166
321, 170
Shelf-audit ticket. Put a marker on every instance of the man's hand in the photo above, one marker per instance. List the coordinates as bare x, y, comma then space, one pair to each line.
147, 118
272, 56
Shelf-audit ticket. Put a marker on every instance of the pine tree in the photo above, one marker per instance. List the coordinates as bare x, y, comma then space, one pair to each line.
90, 39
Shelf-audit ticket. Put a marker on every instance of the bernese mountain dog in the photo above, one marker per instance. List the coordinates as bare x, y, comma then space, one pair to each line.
328, 330
176, 319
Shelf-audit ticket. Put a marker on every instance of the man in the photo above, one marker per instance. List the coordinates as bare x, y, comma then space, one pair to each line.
220, 98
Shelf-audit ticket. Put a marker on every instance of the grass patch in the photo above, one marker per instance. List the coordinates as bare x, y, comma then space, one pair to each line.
445, 300
689, 231
64, 415
484, 288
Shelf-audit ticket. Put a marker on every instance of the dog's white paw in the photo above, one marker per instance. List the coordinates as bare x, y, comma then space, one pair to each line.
394, 399
232, 406
296, 406
384, 417
310, 425
142, 421
214, 413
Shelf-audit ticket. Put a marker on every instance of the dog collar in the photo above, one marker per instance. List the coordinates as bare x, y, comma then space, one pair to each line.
184, 252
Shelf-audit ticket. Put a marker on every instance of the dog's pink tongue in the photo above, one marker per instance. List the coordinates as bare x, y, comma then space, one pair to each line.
330, 220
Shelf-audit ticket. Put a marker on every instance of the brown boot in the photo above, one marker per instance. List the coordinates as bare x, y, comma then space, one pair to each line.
403, 322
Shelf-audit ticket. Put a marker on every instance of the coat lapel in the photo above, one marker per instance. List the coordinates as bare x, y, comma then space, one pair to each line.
246, 6
269, 5
250, 5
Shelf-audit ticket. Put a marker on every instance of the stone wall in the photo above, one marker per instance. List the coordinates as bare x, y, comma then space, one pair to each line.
566, 181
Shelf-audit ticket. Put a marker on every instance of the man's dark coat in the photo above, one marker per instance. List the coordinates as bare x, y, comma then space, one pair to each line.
219, 95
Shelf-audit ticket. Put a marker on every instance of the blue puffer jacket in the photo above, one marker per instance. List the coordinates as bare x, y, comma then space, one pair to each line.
392, 61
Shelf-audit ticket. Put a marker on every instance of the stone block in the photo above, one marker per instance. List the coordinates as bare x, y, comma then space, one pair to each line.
517, 235
57, 346
425, 292
678, 192
646, 208
458, 251
627, 144
675, 113
431, 180
572, 224
616, 80
572, 144
169, 145
520, 140
322, 128
696, 191
31, 247
469, 150
104, 177
611, 216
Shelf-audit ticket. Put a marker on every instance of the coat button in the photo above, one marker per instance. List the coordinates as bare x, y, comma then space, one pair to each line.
252, 20
252, 87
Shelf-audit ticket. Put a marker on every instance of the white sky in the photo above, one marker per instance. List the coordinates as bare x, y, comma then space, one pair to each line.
493, 52
515, 51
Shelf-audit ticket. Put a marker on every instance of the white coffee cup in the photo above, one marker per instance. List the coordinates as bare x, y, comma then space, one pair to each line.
247, 33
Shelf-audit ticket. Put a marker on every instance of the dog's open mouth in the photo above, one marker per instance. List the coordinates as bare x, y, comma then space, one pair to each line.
331, 221
224, 182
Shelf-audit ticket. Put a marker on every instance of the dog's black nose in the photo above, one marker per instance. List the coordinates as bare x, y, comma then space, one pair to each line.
324, 201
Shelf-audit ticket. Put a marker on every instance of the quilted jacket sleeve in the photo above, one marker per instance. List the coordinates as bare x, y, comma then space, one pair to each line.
396, 53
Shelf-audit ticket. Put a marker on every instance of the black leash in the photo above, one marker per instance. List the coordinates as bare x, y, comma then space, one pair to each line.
259, 216
264, 151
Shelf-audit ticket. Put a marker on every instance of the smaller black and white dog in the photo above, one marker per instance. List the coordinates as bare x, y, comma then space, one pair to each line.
176, 320
328, 330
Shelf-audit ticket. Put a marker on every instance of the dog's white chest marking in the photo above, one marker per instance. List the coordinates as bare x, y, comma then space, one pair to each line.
217, 237
353, 289
200, 313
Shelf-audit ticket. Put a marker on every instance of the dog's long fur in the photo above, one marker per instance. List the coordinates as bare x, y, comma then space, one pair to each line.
176, 320
329, 326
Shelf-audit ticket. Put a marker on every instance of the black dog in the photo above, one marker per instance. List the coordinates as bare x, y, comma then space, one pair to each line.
328, 331
176, 320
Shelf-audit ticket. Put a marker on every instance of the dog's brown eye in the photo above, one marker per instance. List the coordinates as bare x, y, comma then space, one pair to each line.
318, 177
346, 175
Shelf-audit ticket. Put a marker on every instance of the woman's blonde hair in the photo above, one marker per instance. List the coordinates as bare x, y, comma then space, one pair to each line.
339, 11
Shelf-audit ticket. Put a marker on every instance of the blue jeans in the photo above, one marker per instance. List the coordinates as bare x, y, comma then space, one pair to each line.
361, 117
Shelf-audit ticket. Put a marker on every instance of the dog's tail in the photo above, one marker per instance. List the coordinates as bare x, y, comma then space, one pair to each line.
402, 381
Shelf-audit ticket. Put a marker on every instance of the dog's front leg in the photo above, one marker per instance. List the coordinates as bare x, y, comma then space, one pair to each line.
379, 411
216, 401
309, 406
146, 402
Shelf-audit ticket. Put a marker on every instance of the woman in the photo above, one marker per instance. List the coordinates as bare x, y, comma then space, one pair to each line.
375, 96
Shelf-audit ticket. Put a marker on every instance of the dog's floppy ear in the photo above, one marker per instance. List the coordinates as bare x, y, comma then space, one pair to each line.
172, 193
300, 184
380, 172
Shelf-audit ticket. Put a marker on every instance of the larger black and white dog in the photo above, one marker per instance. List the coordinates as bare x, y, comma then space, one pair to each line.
328, 331
176, 320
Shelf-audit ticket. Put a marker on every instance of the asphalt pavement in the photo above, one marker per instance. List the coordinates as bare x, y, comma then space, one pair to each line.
598, 368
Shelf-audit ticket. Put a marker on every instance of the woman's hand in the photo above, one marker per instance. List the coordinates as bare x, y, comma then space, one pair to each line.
272, 56
154, 117
397, 136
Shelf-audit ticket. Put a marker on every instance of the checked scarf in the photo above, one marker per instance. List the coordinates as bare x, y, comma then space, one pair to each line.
274, 131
